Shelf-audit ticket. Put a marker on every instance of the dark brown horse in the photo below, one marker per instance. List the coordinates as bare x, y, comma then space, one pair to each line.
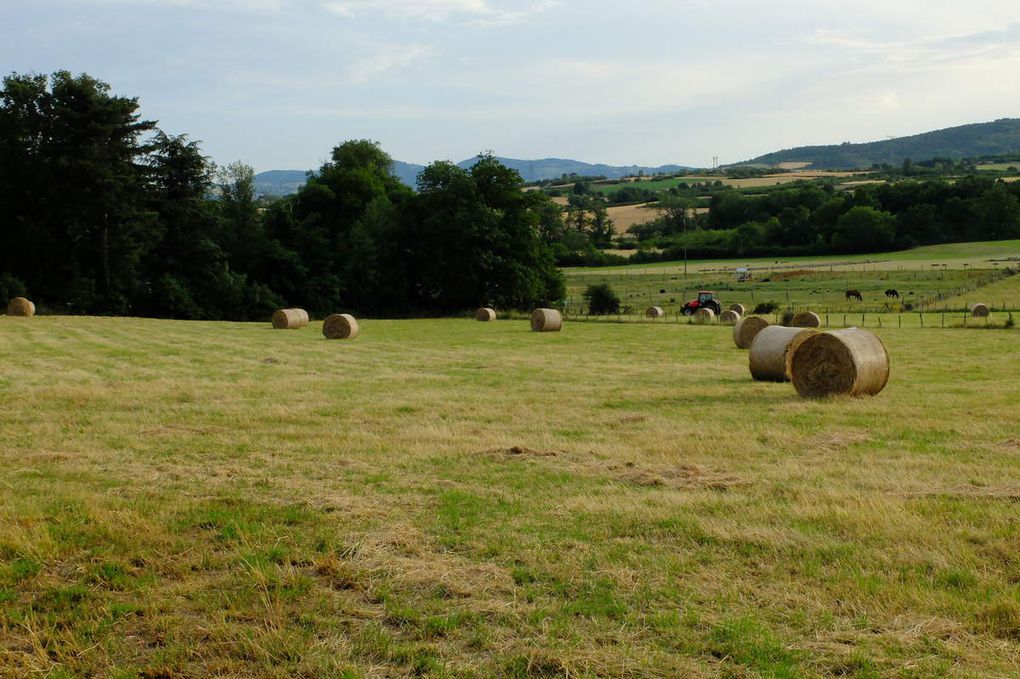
892, 293
854, 294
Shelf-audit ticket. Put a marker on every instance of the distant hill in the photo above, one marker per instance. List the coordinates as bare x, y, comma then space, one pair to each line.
966, 141
286, 182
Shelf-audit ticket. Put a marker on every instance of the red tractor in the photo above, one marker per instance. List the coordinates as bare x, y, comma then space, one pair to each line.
706, 300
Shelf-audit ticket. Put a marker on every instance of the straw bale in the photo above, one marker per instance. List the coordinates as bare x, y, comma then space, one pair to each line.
546, 320
19, 306
806, 319
729, 317
851, 362
704, 316
340, 326
772, 350
746, 329
287, 319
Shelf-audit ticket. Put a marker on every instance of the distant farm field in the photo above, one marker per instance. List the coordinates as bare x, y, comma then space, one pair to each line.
926, 279
449, 498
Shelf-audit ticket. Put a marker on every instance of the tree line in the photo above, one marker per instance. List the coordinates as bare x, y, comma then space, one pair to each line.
101, 212
807, 219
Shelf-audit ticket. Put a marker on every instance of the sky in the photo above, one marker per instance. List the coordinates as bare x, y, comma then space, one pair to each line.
278, 83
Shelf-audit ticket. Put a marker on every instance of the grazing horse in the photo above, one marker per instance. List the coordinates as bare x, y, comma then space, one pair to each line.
853, 294
892, 293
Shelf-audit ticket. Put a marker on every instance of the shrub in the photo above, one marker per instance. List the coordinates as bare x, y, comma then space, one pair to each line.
601, 299
766, 307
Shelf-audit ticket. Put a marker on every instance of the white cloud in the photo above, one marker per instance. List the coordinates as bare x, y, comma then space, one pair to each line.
477, 12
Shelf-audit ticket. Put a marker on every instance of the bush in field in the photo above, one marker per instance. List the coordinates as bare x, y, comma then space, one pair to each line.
766, 307
601, 299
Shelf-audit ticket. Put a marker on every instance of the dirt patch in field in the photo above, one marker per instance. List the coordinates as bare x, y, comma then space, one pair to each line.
684, 476
973, 492
521, 451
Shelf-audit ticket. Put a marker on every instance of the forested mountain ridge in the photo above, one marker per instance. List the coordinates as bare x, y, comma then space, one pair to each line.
286, 182
977, 140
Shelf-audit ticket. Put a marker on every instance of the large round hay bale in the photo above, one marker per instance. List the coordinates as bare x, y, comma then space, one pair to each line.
19, 306
704, 316
746, 329
287, 319
546, 320
806, 319
485, 314
979, 310
772, 351
654, 312
739, 308
303, 316
729, 317
340, 326
851, 362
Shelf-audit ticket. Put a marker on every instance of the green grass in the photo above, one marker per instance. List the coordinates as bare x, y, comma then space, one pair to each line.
981, 255
933, 278
457, 499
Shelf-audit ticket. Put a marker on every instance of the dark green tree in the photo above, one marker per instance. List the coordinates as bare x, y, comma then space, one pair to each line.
601, 299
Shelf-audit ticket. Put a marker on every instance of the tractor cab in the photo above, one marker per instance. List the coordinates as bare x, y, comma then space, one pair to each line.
706, 300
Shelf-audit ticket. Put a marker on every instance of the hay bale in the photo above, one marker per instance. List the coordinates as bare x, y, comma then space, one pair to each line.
704, 316
806, 319
772, 351
979, 310
485, 314
746, 329
654, 312
287, 319
739, 308
19, 306
851, 362
729, 317
303, 315
340, 326
546, 320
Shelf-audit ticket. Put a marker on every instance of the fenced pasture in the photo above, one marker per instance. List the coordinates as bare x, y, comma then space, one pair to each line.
931, 279
819, 290
447, 498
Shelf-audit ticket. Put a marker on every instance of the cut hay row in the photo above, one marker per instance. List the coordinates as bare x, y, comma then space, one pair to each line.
546, 320
772, 350
850, 362
340, 326
746, 329
19, 306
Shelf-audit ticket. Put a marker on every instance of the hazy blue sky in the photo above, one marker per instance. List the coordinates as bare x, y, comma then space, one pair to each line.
277, 83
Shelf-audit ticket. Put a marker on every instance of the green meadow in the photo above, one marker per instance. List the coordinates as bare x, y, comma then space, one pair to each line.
447, 498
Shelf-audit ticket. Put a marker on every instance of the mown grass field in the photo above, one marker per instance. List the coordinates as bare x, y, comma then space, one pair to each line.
981, 255
457, 499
